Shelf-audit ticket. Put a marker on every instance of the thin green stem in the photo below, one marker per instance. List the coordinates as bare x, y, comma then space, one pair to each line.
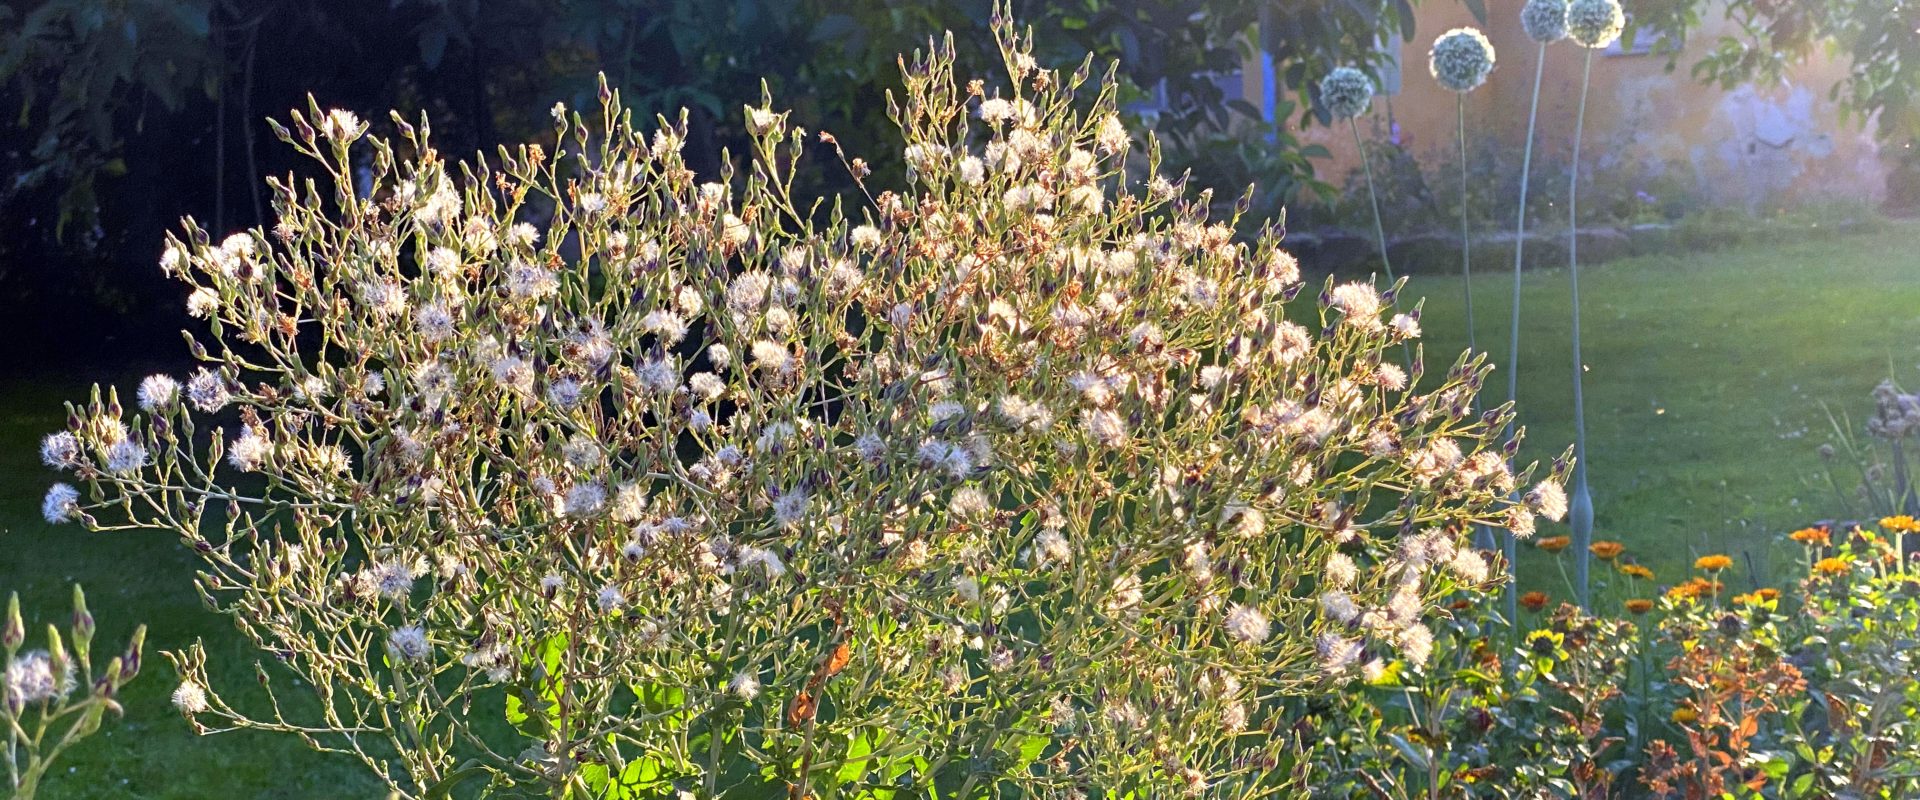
1581, 505
1512, 543
1466, 241
1366, 168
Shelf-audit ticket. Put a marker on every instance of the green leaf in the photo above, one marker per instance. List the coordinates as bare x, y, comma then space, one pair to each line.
1414, 756
1479, 9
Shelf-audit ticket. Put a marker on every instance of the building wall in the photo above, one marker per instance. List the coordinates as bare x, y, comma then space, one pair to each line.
1758, 147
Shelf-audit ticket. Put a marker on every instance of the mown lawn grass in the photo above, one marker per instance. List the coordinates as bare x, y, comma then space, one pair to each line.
1706, 375
132, 578
1704, 390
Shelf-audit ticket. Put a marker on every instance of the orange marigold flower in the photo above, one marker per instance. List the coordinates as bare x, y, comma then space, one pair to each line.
1607, 551
1636, 571
1833, 565
1534, 601
1695, 588
1903, 523
1639, 605
1811, 536
1553, 544
1712, 563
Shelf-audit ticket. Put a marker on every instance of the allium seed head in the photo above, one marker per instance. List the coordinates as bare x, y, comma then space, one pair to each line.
1346, 92
1461, 59
1595, 23
1545, 21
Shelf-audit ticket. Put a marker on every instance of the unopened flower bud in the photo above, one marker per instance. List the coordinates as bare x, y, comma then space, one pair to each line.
16, 630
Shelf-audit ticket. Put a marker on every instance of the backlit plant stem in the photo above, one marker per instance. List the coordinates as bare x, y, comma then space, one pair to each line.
1511, 543
1366, 168
1466, 245
1580, 507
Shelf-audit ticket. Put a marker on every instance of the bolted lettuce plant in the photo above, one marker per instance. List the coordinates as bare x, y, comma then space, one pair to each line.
53, 696
574, 474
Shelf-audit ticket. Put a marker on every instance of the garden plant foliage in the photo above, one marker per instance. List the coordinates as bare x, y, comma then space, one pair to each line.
573, 473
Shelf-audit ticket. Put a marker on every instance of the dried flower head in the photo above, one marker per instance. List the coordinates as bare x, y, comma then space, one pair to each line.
1545, 21
1595, 23
1346, 92
1461, 59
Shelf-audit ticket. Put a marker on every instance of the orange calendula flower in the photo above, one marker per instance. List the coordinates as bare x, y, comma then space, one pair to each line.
1833, 565
1553, 544
1636, 571
1639, 605
1607, 551
1713, 563
1812, 536
1533, 601
1903, 523
1695, 589
1768, 593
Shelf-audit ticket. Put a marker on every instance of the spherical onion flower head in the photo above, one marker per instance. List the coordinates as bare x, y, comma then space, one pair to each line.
1346, 92
1544, 20
1595, 23
1461, 59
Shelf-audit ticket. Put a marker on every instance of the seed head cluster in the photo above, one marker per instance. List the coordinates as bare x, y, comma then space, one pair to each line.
1036, 431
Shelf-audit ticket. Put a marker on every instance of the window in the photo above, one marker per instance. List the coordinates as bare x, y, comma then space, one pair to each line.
1643, 44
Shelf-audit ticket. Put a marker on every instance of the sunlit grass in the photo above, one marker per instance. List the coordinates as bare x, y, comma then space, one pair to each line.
1706, 375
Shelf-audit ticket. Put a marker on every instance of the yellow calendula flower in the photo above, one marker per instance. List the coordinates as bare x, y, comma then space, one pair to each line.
1902, 523
1832, 565
1682, 716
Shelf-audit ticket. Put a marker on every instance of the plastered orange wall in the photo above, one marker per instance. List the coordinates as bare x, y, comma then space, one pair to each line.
1760, 147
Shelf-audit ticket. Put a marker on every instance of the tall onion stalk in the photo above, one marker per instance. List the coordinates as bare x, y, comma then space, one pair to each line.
1460, 60
1346, 93
1545, 22
1594, 24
